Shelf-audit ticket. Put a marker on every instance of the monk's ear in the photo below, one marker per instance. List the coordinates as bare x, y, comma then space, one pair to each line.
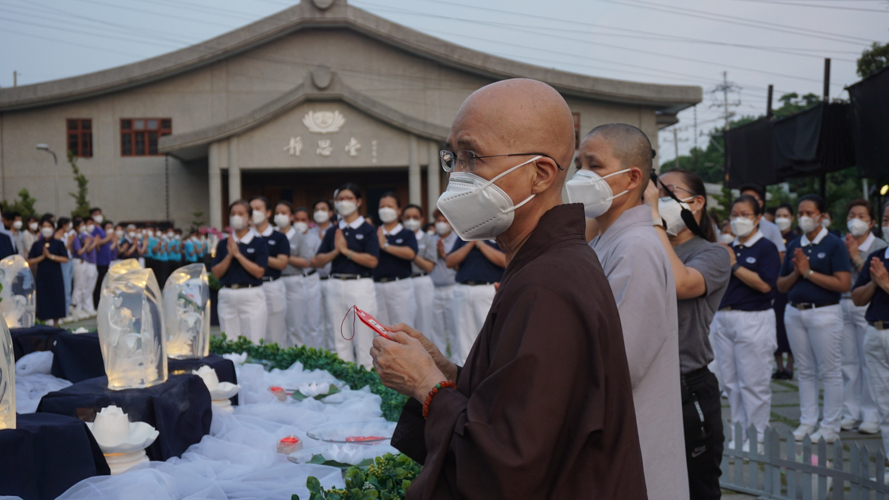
638, 181
546, 172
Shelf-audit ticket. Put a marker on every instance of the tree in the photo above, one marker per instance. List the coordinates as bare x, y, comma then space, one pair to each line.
24, 205
197, 221
873, 59
82, 208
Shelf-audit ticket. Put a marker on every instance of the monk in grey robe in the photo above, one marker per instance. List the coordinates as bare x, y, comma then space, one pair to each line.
641, 278
543, 407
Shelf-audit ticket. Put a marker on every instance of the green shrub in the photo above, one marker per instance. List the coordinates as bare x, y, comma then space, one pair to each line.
388, 478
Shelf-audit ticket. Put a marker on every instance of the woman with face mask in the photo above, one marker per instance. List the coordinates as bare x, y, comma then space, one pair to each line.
701, 271
422, 265
79, 248
303, 289
47, 255
272, 286
394, 288
784, 221
324, 216
859, 409
743, 329
815, 272
444, 280
239, 265
29, 235
352, 247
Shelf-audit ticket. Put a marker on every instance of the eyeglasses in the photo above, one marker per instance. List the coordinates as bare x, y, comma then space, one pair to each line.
466, 159
674, 187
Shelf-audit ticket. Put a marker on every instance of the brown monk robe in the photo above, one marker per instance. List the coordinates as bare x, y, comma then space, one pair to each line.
543, 407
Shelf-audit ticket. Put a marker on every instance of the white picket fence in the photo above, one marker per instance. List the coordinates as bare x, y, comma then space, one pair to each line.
789, 471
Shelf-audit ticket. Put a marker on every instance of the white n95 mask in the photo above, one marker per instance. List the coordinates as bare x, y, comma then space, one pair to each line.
726, 238
593, 191
443, 228
742, 226
345, 208
258, 217
237, 222
301, 227
321, 217
807, 224
282, 220
671, 212
857, 227
387, 214
783, 223
412, 224
477, 208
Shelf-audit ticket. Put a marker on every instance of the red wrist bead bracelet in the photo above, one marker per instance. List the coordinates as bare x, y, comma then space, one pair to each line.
432, 394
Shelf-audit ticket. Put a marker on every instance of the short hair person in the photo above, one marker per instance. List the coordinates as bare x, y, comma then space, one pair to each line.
272, 286
615, 165
542, 407
815, 273
768, 229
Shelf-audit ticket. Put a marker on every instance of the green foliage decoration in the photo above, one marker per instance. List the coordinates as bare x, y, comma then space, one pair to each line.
24, 205
353, 375
388, 478
81, 202
873, 59
197, 220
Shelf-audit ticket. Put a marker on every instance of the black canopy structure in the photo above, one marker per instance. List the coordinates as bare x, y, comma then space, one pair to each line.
811, 142
870, 123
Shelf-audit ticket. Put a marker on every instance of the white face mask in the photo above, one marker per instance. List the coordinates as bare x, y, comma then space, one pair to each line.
321, 216
89, 229
282, 220
671, 212
857, 227
258, 217
118, 233
98, 218
412, 224
742, 226
131, 234
726, 238
593, 191
442, 228
825, 223
807, 224
301, 227
33, 226
387, 214
238, 222
475, 211
17, 224
346, 207
783, 223
46, 232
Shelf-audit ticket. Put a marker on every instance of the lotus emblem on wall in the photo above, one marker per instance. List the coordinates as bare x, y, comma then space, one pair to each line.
324, 122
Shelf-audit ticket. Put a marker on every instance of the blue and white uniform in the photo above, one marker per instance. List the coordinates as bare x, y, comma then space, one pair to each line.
350, 284
443, 279
876, 343
273, 287
473, 297
814, 322
392, 280
743, 335
242, 307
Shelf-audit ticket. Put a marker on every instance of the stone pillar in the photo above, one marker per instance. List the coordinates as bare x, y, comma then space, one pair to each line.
215, 187
433, 179
413, 174
234, 171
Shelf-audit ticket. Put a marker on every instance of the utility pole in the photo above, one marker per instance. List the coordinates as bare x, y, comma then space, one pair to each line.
15, 78
676, 146
769, 102
826, 95
726, 88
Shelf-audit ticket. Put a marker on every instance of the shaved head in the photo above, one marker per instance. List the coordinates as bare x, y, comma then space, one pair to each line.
515, 116
628, 144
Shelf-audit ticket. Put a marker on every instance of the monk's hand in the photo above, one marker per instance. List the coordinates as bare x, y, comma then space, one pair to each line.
448, 368
404, 365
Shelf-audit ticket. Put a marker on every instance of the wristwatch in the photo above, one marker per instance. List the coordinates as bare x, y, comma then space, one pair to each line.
736, 267
808, 274
659, 222
386, 245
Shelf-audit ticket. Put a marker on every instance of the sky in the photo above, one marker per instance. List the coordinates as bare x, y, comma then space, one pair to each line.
685, 42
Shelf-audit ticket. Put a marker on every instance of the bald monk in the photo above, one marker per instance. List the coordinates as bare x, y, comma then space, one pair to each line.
543, 406
641, 278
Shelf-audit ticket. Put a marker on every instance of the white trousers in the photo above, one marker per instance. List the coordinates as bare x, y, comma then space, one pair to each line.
395, 302
443, 317
876, 350
303, 315
744, 342
857, 401
275, 304
424, 291
242, 312
326, 326
470, 308
815, 339
86, 275
341, 295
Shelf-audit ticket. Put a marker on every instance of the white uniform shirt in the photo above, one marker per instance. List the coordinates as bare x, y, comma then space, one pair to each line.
441, 275
639, 272
426, 248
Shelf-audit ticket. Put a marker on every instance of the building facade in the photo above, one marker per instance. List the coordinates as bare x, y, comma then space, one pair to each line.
289, 107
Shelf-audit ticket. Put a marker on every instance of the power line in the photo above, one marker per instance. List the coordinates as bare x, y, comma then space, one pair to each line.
797, 4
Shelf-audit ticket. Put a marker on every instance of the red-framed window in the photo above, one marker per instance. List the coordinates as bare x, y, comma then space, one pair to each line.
576, 117
139, 136
80, 137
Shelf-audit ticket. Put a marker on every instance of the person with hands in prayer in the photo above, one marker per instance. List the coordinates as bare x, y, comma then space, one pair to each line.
543, 406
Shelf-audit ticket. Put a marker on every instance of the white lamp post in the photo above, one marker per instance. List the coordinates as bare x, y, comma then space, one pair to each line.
44, 147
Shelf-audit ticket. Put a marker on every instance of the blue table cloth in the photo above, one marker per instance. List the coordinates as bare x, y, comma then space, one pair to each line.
179, 409
46, 454
36, 338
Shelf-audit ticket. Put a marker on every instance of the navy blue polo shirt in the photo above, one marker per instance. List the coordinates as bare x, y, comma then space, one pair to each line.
362, 239
476, 267
878, 310
762, 258
256, 250
7, 248
277, 244
828, 256
391, 266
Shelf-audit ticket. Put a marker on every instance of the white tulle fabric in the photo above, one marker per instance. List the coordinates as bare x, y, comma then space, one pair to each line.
238, 459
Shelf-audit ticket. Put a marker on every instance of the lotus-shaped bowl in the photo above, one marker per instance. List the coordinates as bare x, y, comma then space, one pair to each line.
141, 436
224, 390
